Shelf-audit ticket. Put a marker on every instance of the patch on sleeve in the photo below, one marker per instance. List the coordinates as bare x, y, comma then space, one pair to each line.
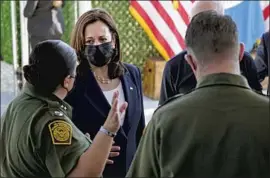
61, 132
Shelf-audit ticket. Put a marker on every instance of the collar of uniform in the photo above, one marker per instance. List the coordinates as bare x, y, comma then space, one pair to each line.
222, 79
52, 100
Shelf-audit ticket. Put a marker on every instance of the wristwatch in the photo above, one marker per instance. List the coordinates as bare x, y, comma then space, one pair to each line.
111, 134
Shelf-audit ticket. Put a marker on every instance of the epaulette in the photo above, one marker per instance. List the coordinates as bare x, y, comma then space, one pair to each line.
173, 98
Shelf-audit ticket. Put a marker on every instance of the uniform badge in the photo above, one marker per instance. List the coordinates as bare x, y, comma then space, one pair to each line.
58, 113
61, 132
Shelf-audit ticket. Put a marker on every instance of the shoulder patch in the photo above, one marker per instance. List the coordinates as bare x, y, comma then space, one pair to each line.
61, 132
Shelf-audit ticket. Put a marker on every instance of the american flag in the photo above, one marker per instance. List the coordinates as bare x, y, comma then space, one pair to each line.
165, 22
266, 13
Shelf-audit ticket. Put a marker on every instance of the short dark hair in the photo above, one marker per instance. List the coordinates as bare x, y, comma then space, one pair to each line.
115, 67
50, 63
210, 33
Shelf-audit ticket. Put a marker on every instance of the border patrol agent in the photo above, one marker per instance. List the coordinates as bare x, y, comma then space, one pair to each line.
221, 129
38, 135
38, 138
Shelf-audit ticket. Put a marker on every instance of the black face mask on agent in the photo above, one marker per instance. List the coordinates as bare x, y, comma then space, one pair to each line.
99, 55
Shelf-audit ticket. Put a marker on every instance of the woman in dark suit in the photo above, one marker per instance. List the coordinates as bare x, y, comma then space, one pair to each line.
99, 74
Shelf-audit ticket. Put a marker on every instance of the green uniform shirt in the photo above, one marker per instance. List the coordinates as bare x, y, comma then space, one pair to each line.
37, 137
221, 129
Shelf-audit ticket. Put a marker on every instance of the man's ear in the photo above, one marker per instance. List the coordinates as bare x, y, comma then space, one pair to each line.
191, 62
241, 51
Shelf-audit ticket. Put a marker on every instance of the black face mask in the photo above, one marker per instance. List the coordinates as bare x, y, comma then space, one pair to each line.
99, 55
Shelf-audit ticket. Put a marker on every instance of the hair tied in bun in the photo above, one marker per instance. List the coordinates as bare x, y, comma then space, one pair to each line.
31, 74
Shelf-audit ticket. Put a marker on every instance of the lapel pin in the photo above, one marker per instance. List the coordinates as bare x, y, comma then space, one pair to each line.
131, 88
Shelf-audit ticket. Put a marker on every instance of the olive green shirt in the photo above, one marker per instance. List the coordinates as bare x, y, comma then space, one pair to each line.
37, 137
221, 129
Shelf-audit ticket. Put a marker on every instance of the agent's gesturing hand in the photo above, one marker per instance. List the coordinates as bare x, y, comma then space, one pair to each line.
113, 121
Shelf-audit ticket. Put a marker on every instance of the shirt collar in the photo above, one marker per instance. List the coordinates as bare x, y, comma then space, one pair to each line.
52, 100
223, 79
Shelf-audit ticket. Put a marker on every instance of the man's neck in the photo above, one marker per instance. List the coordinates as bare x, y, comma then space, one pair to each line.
221, 68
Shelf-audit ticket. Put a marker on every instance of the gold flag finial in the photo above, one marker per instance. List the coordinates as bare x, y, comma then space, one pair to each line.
175, 4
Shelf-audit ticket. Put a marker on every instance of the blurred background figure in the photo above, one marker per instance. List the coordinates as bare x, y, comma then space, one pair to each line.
45, 20
262, 59
253, 51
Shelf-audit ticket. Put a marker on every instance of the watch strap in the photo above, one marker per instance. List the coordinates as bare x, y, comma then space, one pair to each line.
111, 134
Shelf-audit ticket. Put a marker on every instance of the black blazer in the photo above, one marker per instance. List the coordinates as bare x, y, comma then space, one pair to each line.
90, 110
178, 77
262, 60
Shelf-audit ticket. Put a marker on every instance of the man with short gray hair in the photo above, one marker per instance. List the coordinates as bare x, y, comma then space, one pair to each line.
178, 77
201, 6
222, 128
